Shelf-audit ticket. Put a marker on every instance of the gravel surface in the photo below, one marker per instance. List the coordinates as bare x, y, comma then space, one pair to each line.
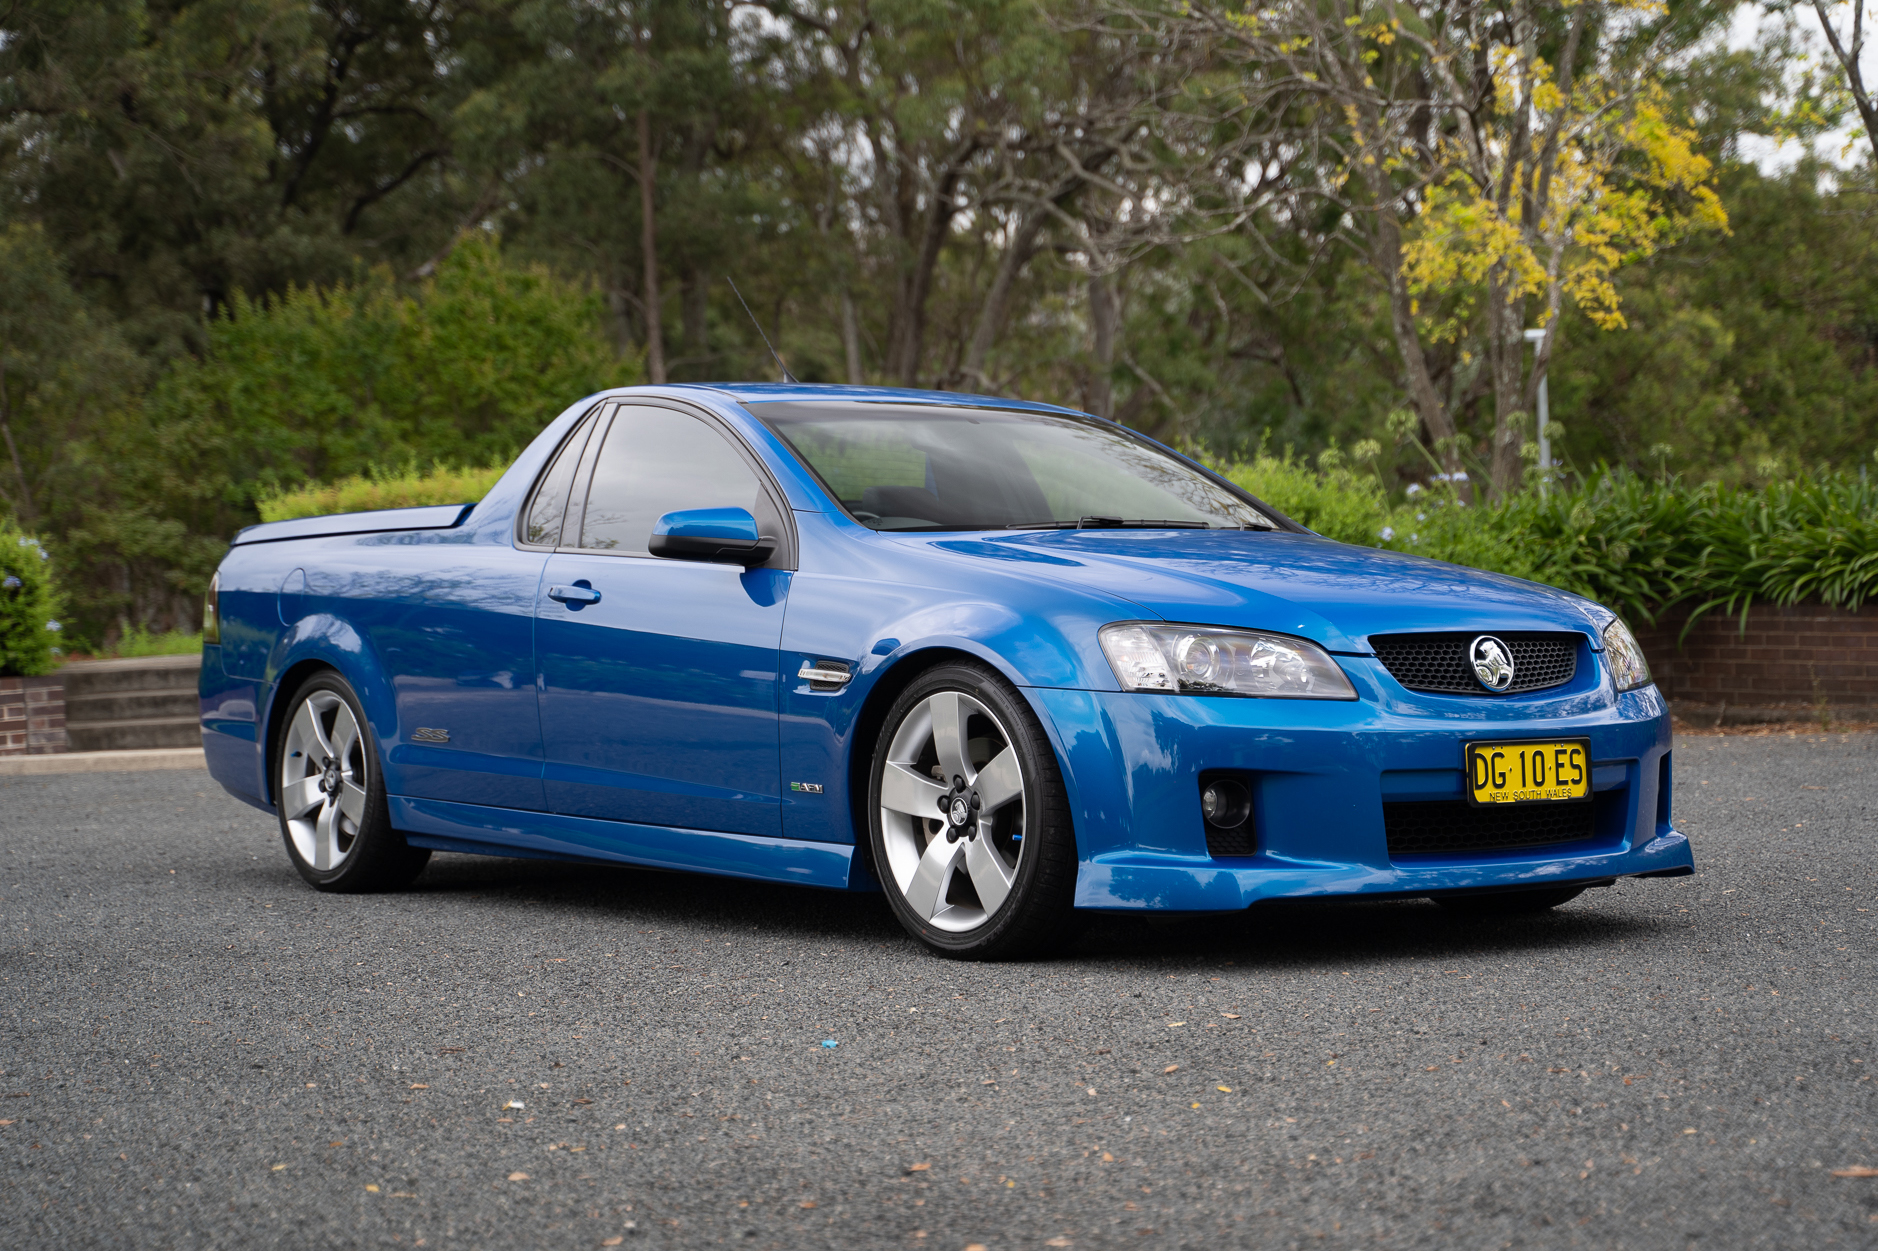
200, 1051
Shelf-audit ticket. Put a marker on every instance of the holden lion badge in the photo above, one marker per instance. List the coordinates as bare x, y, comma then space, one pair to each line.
1492, 661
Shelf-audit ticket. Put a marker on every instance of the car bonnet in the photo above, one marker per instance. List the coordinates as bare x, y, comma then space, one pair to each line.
1299, 584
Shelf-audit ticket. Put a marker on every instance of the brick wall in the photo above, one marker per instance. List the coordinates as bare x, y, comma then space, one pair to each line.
32, 716
1793, 659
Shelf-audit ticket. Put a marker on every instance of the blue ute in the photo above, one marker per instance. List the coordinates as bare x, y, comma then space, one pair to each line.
1000, 660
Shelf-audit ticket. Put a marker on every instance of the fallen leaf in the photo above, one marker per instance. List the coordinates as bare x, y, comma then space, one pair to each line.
1230, 1016
806, 1203
1688, 1131
1193, 1105
583, 1101
370, 1188
312, 1085
974, 1246
277, 1168
918, 1168
1170, 1068
1175, 1024
444, 1051
1224, 1090
1059, 1242
518, 1177
614, 1241
337, 1142
1857, 1170
419, 1086
6, 1122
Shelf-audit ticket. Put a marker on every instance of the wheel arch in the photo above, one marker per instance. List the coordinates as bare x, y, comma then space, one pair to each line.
886, 688
290, 680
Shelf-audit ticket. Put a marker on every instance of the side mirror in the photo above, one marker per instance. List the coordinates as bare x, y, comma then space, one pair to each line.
726, 536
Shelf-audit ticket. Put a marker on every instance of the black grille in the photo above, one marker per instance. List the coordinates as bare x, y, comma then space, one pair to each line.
1231, 843
1430, 828
1439, 662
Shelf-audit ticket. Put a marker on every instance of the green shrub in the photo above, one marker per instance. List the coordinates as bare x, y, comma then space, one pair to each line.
1637, 545
29, 606
323, 385
407, 488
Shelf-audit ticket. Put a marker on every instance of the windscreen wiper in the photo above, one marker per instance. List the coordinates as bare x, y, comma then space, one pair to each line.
1119, 523
1138, 523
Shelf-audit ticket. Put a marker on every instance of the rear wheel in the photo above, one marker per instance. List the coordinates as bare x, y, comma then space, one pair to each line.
333, 814
970, 828
1509, 903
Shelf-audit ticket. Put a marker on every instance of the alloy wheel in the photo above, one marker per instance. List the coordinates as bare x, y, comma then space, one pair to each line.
323, 781
952, 811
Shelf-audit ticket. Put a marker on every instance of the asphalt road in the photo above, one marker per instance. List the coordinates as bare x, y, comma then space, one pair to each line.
199, 1051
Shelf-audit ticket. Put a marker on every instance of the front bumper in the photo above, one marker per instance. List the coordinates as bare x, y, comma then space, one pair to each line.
1321, 774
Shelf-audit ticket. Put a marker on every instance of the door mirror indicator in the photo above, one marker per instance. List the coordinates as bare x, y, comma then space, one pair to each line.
722, 535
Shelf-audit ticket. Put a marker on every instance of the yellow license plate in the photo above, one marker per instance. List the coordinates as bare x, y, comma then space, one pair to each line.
1518, 773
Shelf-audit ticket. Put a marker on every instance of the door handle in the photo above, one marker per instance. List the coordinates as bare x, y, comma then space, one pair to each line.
575, 596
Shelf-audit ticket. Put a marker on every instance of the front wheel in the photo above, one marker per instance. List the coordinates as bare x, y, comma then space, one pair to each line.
333, 814
970, 827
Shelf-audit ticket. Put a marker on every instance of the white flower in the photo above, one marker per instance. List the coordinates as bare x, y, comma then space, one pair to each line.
1421, 516
1386, 533
1414, 488
54, 626
10, 582
1415, 538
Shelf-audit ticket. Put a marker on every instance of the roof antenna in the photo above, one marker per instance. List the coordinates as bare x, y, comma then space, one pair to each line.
787, 376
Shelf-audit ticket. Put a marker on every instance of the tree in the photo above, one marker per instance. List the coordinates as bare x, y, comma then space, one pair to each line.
1480, 157
179, 153
1848, 48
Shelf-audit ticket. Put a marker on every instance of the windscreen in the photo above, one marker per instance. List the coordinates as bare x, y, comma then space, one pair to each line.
914, 467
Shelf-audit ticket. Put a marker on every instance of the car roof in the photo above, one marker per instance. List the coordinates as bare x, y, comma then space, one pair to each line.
799, 392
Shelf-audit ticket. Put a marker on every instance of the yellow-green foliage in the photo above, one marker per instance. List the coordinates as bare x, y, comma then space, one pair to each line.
361, 493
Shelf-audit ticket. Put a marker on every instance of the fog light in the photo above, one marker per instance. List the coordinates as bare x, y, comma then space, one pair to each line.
1226, 804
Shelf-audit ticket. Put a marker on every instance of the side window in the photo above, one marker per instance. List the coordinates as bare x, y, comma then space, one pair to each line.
546, 510
656, 461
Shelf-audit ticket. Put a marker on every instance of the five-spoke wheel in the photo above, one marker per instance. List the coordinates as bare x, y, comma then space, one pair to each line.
333, 814
322, 793
971, 836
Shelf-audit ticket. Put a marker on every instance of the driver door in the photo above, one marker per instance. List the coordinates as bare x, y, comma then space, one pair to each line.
659, 698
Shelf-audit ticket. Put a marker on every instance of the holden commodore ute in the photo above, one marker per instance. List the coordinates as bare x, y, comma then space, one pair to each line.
1005, 662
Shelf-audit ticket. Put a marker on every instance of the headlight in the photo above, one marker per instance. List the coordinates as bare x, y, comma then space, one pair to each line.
1202, 660
1625, 657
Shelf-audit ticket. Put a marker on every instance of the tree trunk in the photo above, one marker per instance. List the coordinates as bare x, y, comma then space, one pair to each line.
1103, 318
1386, 257
997, 305
1506, 356
910, 343
649, 252
697, 308
851, 338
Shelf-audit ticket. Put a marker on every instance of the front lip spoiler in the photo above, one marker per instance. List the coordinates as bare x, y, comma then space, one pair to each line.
1582, 883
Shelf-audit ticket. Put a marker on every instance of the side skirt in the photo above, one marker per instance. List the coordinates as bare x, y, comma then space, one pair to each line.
444, 826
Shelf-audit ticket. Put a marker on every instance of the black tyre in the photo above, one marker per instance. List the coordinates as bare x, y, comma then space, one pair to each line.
1509, 903
970, 829
331, 795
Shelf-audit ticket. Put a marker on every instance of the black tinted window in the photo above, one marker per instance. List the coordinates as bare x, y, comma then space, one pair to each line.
550, 503
657, 461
